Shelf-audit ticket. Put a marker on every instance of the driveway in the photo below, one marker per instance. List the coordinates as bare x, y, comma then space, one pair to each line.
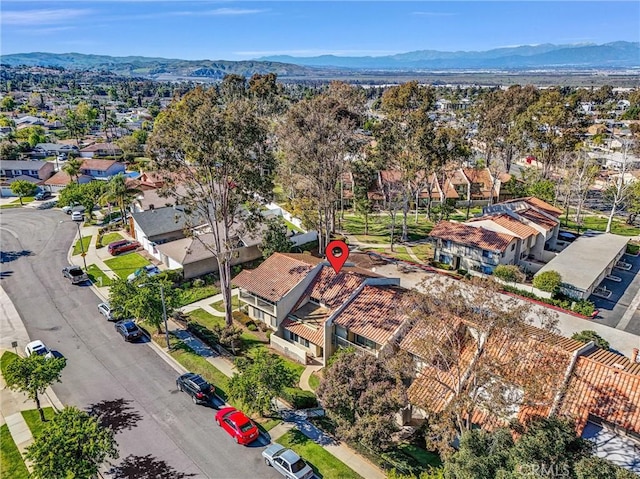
160, 433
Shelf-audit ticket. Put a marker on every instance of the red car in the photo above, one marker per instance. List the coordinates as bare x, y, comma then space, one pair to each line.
238, 425
122, 246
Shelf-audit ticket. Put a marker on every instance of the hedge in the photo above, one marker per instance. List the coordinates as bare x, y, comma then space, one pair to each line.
300, 399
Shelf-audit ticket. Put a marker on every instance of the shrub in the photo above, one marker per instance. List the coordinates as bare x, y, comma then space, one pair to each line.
588, 335
268, 333
548, 281
300, 399
584, 307
198, 283
243, 318
633, 248
174, 275
508, 272
205, 335
252, 327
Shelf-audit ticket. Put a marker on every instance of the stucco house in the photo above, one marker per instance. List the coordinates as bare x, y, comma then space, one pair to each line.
101, 169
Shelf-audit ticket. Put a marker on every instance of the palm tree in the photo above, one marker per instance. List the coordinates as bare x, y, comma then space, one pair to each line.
73, 167
120, 193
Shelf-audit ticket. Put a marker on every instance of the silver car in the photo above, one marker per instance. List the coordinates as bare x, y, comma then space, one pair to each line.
287, 462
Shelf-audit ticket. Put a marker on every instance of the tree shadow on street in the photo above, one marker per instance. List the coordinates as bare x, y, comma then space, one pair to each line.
116, 414
145, 467
9, 256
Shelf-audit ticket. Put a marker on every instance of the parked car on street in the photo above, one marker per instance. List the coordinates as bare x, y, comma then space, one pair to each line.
128, 330
108, 312
43, 195
38, 347
238, 425
149, 270
75, 274
195, 386
122, 246
287, 462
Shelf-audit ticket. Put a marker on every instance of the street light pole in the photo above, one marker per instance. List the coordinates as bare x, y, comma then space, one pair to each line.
84, 255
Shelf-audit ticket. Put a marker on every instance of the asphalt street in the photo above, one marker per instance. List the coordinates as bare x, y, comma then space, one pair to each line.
160, 432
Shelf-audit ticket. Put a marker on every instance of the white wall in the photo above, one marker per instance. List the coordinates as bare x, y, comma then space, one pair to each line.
289, 349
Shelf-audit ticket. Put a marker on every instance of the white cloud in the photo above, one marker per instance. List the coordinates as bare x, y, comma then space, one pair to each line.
41, 17
45, 30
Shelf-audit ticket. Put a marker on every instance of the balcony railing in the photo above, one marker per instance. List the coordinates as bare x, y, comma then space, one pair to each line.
344, 343
257, 302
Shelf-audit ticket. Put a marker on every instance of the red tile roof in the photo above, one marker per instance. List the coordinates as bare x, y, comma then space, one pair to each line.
538, 218
332, 290
607, 386
544, 206
376, 313
516, 227
308, 323
275, 277
101, 147
468, 235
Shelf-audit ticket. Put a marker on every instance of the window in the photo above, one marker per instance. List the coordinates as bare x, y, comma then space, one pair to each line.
487, 254
446, 244
258, 313
362, 341
513, 246
445, 259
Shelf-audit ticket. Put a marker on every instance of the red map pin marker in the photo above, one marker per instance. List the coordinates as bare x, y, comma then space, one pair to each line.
337, 253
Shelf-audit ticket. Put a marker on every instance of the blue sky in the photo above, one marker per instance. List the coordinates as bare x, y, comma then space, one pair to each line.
242, 30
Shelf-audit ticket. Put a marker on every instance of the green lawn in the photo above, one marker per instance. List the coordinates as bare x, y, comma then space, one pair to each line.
94, 273
268, 423
323, 463
7, 358
11, 463
219, 305
77, 247
400, 252
126, 264
109, 238
32, 417
25, 200
425, 458
423, 251
599, 223
193, 294
380, 227
205, 319
314, 381
291, 226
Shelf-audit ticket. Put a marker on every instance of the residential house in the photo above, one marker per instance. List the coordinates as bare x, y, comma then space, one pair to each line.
530, 365
98, 150
101, 169
603, 397
313, 310
61, 179
43, 150
192, 255
40, 170
463, 246
177, 239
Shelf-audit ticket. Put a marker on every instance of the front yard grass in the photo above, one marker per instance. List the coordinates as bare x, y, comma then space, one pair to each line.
314, 381
108, 238
7, 358
95, 273
25, 200
32, 418
205, 319
126, 264
77, 247
323, 463
423, 457
423, 251
9, 205
219, 305
380, 227
197, 364
196, 293
11, 463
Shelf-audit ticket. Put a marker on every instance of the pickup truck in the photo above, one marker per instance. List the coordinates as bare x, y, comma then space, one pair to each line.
75, 274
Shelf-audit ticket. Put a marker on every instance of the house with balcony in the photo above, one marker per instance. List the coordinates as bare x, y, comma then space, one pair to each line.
304, 301
476, 248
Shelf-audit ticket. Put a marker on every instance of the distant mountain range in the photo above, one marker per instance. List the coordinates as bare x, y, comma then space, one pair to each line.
547, 56
159, 68
608, 55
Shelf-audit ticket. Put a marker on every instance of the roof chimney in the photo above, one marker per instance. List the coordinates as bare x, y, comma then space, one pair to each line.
634, 355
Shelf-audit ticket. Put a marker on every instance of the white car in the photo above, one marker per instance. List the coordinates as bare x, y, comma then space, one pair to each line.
38, 347
287, 462
77, 216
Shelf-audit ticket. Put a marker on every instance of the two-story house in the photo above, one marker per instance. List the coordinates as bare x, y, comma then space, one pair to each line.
35, 172
463, 246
